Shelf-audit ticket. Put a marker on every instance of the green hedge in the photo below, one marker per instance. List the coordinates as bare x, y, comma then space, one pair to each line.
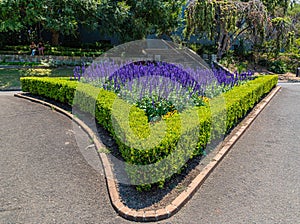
58, 51
153, 152
60, 89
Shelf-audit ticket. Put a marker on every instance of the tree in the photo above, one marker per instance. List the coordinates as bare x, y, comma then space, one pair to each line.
57, 16
225, 21
64, 16
112, 16
143, 17
294, 14
125, 19
272, 5
285, 29
10, 17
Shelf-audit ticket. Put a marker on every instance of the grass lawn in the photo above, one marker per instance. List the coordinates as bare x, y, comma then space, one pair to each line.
10, 77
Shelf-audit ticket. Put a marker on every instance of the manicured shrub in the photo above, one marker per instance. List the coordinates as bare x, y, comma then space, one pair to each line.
60, 89
153, 152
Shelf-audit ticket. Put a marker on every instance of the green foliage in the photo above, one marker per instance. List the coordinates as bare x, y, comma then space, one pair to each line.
280, 40
126, 20
242, 67
10, 18
271, 25
272, 5
10, 78
285, 62
20, 63
91, 51
294, 14
68, 51
155, 107
56, 16
140, 18
225, 21
153, 152
292, 60
60, 89
241, 99
278, 67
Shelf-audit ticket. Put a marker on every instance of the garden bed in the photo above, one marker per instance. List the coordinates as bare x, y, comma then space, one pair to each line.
157, 197
238, 102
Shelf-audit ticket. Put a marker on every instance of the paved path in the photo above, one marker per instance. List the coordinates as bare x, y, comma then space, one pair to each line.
45, 178
259, 180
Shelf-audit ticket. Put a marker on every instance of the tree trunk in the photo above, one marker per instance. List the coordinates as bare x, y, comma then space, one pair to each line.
55, 37
220, 42
226, 43
223, 43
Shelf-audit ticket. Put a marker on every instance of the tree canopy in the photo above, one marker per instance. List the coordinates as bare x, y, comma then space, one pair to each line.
56, 16
224, 21
269, 25
126, 19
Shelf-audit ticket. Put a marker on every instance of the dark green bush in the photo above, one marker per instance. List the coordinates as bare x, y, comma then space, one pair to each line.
285, 62
20, 63
292, 61
57, 51
155, 151
277, 66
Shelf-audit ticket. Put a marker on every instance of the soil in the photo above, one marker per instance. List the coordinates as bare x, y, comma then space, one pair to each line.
288, 77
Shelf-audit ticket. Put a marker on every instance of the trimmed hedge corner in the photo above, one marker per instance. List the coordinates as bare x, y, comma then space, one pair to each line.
154, 152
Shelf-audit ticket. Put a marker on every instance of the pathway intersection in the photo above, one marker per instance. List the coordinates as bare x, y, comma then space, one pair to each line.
45, 178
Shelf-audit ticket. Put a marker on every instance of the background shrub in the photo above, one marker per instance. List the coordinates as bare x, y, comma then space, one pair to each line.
278, 67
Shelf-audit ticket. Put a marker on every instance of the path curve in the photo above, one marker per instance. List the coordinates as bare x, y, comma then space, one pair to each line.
254, 183
44, 177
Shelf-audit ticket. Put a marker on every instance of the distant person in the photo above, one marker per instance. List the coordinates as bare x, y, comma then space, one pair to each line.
41, 48
32, 48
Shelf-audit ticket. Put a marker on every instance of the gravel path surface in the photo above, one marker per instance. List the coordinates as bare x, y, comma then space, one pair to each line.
45, 178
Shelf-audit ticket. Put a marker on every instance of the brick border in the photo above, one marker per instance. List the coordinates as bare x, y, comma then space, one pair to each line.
163, 213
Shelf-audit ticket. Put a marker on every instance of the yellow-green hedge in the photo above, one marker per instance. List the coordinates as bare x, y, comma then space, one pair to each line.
153, 152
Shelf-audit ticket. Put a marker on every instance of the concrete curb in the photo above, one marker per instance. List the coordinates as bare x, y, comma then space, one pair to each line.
163, 213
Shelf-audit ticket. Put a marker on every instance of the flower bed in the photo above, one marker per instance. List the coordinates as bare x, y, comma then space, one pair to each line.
155, 151
160, 88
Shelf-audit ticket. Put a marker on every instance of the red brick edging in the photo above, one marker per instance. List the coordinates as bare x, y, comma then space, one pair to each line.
179, 201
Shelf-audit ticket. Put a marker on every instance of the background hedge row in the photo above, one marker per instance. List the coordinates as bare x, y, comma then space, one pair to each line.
154, 152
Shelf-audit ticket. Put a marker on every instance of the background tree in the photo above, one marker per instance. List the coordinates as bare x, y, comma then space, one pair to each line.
111, 17
224, 21
285, 28
64, 16
273, 5
135, 19
124, 19
10, 16
294, 14
56, 16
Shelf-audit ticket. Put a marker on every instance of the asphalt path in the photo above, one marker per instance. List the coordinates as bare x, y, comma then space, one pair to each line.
45, 177
259, 180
